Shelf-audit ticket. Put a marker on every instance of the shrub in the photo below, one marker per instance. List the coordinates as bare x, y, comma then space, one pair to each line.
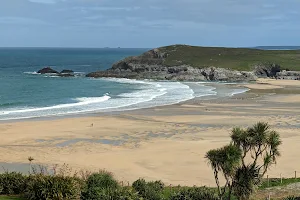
291, 198
103, 180
12, 183
112, 194
99, 186
124, 194
197, 193
45, 187
148, 190
139, 185
156, 185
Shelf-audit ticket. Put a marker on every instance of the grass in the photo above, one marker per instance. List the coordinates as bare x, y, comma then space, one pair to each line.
232, 58
10, 198
274, 182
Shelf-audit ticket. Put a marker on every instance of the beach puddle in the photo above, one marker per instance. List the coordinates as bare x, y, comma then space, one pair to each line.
60, 142
23, 168
101, 141
162, 135
18, 167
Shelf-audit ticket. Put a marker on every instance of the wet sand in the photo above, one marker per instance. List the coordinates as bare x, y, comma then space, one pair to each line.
165, 143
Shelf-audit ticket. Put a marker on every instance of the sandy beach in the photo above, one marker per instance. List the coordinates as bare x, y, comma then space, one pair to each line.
165, 143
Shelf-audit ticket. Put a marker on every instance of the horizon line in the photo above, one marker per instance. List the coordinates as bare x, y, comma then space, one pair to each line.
49, 47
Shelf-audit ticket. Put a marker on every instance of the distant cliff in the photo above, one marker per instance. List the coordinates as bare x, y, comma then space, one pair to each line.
189, 63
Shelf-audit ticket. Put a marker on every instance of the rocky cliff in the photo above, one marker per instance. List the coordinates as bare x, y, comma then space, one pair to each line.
289, 75
155, 64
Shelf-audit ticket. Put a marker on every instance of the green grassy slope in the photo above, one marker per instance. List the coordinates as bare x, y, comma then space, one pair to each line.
232, 58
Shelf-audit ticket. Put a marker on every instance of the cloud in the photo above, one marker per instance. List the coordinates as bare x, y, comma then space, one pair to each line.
160, 21
21, 21
105, 8
43, 1
273, 17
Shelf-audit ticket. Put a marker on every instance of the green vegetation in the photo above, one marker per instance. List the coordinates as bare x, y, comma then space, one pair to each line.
274, 182
292, 198
40, 186
101, 185
244, 162
10, 198
231, 58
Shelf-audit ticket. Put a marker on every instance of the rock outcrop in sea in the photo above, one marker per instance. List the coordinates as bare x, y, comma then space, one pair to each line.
63, 73
47, 70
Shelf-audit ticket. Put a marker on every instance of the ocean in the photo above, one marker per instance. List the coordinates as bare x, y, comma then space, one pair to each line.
26, 94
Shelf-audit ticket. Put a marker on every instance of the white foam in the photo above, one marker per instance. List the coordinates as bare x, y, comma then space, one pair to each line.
146, 94
33, 73
130, 81
169, 93
81, 101
204, 90
239, 91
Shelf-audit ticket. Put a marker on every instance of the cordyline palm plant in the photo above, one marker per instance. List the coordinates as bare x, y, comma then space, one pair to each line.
258, 142
246, 160
225, 160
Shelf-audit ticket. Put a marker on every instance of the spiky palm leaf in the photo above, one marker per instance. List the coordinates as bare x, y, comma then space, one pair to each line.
245, 181
224, 159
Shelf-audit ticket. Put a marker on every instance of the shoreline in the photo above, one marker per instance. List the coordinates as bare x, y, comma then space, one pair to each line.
94, 113
165, 143
260, 85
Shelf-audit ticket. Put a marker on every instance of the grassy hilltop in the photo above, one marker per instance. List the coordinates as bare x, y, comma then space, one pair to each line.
232, 58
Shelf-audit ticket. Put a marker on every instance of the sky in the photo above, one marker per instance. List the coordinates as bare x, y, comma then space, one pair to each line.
149, 23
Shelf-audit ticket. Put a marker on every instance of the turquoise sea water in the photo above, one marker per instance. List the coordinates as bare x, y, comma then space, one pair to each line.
26, 94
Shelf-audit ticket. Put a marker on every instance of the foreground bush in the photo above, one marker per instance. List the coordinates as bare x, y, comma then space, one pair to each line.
12, 183
99, 186
149, 190
195, 193
46, 187
292, 198
121, 193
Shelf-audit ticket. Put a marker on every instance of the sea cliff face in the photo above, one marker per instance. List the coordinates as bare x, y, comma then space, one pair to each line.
152, 65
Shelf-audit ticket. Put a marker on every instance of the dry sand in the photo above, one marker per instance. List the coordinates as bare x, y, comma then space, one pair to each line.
265, 83
278, 82
166, 143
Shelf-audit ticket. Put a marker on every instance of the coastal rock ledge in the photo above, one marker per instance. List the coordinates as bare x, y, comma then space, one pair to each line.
185, 63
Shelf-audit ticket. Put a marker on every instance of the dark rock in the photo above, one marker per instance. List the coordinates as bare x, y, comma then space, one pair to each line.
266, 70
47, 70
288, 75
67, 71
179, 73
